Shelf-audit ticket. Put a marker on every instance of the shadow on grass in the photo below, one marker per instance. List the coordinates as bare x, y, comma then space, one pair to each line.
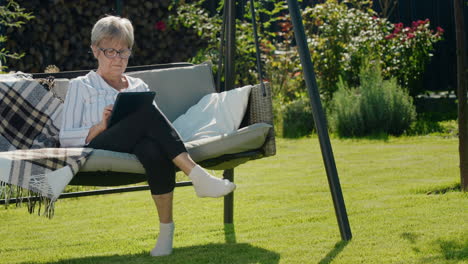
334, 252
442, 190
413, 239
229, 233
377, 137
451, 251
209, 253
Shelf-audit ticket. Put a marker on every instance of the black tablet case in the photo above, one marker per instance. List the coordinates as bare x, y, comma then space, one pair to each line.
127, 103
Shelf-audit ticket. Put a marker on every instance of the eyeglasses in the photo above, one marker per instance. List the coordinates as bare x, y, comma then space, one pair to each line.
111, 53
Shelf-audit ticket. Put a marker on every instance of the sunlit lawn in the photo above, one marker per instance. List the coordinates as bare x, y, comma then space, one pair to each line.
283, 213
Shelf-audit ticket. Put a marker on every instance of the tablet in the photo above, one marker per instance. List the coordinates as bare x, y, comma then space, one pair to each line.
127, 103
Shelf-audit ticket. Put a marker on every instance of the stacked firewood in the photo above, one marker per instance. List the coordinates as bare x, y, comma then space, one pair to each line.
60, 34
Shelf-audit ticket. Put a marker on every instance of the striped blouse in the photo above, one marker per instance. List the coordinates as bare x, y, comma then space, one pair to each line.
84, 103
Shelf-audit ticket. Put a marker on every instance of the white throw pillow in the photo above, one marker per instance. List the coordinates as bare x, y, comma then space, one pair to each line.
215, 114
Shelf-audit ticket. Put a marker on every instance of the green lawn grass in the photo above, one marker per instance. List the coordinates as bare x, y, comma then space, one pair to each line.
399, 195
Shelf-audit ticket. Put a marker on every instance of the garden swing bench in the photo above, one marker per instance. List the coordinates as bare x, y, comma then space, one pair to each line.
254, 139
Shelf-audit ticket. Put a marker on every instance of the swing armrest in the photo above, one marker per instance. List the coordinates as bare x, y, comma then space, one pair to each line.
260, 110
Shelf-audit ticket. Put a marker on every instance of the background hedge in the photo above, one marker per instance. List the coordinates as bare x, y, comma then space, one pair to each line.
60, 34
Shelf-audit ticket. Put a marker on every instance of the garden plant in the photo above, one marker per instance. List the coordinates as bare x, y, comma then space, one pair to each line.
376, 106
11, 16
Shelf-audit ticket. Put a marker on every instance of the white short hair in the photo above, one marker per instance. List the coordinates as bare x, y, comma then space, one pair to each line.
112, 27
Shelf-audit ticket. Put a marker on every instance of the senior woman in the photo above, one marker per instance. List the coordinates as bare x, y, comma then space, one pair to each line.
146, 133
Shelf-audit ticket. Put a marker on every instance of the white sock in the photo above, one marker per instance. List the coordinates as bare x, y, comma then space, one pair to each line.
208, 186
164, 244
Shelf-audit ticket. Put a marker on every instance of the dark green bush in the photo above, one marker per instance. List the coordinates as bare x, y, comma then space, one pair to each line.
376, 106
436, 109
427, 124
297, 119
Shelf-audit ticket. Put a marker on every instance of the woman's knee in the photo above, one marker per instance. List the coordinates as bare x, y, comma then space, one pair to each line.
148, 151
159, 169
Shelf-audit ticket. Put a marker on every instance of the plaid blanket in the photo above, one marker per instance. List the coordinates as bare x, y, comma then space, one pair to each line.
30, 157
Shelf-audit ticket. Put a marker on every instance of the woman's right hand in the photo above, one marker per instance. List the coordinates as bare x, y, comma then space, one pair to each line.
100, 127
106, 113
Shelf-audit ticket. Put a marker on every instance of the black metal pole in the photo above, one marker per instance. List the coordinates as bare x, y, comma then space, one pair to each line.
257, 47
319, 119
118, 5
229, 199
229, 80
221, 52
229, 75
2, 33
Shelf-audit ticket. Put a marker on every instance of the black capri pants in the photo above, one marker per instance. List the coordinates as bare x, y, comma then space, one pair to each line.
151, 137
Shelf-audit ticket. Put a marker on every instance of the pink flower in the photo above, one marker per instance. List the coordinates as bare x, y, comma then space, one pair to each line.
440, 30
399, 25
285, 26
390, 36
160, 25
410, 35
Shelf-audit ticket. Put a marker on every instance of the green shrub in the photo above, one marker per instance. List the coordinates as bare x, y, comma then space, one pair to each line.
449, 127
297, 118
425, 124
376, 106
194, 16
346, 118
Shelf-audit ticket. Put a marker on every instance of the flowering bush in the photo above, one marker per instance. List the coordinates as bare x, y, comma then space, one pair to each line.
340, 37
407, 51
343, 34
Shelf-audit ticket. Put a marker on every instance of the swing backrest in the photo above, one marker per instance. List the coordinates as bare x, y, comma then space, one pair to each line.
177, 88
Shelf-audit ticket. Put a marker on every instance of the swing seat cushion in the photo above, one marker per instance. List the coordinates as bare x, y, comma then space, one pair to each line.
244, 139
